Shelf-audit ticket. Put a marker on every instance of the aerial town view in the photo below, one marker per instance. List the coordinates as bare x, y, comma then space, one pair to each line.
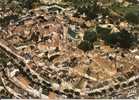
69, 49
